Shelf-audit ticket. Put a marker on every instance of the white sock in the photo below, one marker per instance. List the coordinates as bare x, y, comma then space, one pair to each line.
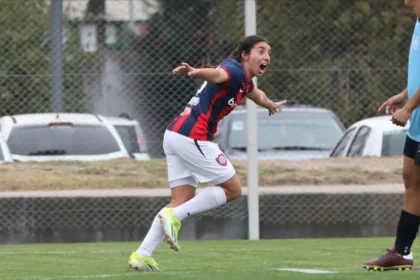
206, 199
152, 240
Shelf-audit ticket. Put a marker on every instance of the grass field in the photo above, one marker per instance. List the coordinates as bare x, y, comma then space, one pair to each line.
241, 260
123, 174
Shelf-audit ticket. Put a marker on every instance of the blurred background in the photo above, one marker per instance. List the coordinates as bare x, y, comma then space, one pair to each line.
109, 62
116, 56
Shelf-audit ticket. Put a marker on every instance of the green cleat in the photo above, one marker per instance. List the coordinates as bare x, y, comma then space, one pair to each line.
147, 264
171, 226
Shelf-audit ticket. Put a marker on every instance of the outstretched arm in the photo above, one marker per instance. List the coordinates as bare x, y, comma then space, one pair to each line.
261, 99
211, 75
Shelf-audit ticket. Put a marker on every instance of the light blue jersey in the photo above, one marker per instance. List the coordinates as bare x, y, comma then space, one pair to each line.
413, 81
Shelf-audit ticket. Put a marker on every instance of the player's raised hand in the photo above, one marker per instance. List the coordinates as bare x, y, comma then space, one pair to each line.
273, 109
184, 69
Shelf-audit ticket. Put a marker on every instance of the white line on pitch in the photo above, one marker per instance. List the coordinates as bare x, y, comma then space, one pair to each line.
79, 276
134, 273
306, 270
129, 251
63, 252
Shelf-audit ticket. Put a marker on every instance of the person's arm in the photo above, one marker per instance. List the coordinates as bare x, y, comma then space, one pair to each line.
413, 102
404, 94
394, 103
211, 75
261, 99
401, 116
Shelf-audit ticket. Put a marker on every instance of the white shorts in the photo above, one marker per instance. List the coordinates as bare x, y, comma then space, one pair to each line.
191, 161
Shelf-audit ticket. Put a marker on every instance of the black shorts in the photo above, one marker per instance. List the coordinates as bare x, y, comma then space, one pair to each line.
412, 150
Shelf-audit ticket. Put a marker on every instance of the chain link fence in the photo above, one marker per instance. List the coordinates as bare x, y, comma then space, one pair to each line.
93, 219
116, 57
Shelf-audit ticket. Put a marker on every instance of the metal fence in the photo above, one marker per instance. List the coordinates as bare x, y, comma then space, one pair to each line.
115, 56
107, 218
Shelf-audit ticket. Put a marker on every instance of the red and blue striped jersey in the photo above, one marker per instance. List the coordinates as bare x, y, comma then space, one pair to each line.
213, 102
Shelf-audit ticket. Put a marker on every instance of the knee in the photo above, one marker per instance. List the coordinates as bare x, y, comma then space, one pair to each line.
232, 188
237, 193
411, 180
407, 178
233, 193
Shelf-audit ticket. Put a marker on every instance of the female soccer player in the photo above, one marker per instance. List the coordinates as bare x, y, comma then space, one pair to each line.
191, 155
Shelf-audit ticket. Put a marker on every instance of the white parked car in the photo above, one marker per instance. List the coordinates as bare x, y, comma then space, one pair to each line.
5, 155
61, 136
131, 135
376, 136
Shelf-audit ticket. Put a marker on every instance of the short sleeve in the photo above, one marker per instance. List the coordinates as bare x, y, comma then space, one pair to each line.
235, 71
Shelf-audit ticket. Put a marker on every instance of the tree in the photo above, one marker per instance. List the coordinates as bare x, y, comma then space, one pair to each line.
24, 60
348, 56
181, 32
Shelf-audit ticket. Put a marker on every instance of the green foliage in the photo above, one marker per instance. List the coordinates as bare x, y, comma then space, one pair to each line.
348, 56
180, 33
22, 53
24, 60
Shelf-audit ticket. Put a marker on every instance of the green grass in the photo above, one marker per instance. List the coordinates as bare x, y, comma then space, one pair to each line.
213, 260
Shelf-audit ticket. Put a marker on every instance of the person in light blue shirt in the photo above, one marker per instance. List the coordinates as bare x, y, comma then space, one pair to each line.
405, 106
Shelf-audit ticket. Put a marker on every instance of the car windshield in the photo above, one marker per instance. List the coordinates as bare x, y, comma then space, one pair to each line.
393, 143
129, 137
304, 130
62, 140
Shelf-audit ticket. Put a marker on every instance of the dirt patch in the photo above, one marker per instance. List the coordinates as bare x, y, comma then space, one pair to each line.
152, 174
